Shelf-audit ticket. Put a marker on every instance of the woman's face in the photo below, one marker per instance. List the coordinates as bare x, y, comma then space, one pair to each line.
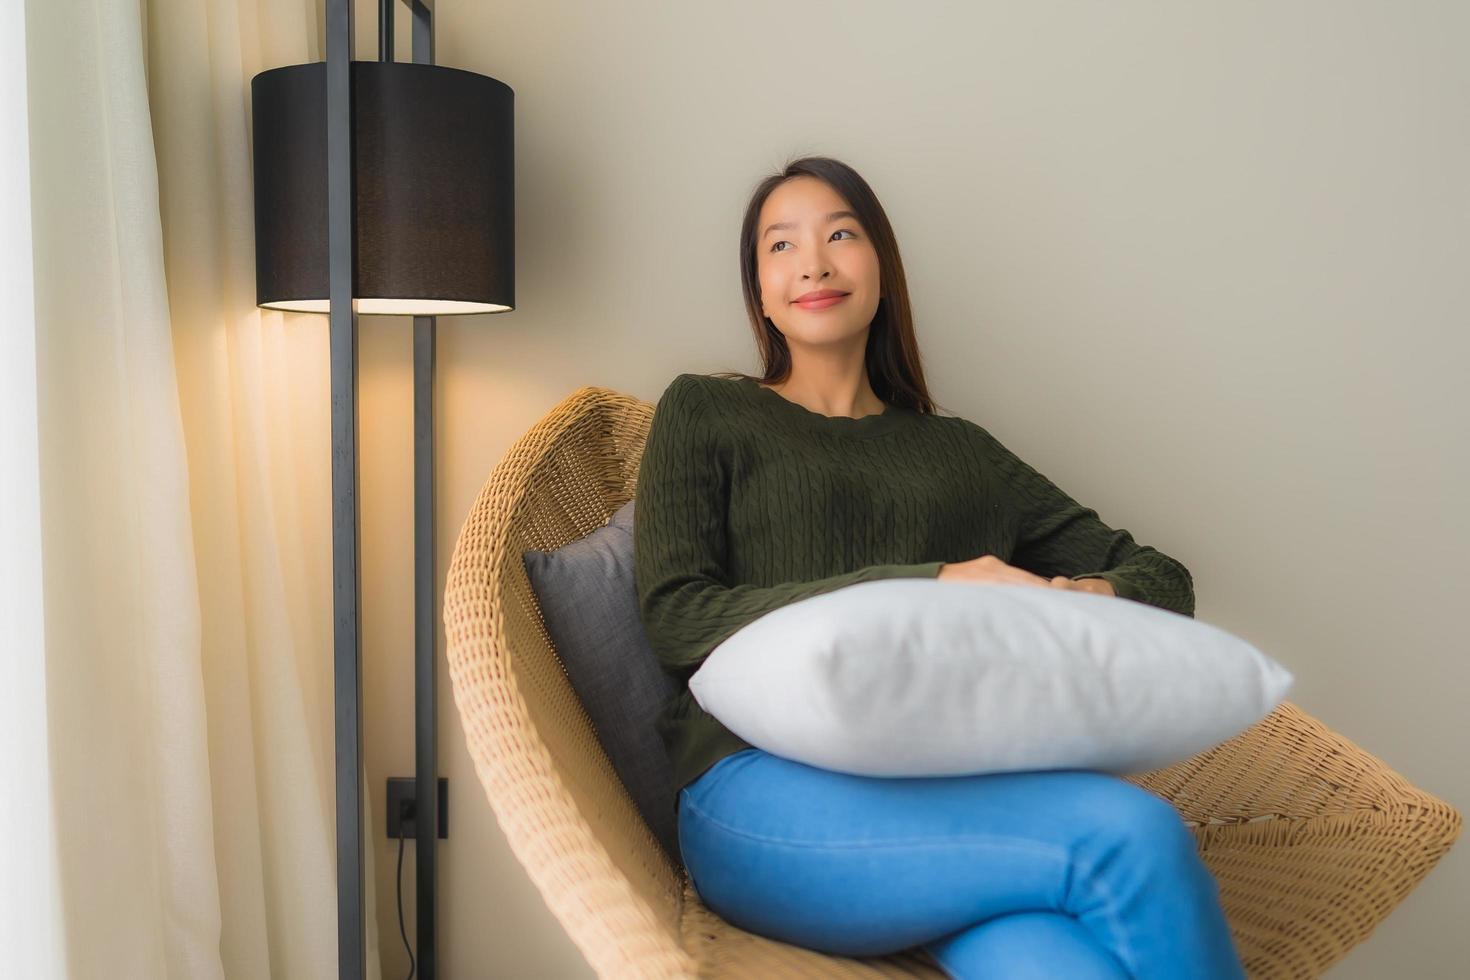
815, 251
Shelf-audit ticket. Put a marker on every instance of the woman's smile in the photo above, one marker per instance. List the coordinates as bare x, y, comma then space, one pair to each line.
821, 304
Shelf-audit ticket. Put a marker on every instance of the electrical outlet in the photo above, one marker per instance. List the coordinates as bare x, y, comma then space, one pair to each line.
402, 807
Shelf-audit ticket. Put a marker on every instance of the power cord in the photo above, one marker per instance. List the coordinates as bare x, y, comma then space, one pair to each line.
412, 964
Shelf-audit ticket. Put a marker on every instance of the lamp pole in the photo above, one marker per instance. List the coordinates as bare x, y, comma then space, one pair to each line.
346, 577
426, 819
346, 580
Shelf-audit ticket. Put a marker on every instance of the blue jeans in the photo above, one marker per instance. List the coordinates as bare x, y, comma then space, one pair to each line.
1056, 873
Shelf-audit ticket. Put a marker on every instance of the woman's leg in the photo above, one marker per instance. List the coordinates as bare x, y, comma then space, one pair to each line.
862, 866
1027, 946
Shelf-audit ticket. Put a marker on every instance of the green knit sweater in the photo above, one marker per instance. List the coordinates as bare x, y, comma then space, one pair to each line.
747, 501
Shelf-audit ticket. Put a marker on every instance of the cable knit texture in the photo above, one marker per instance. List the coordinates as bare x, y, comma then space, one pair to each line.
747, 501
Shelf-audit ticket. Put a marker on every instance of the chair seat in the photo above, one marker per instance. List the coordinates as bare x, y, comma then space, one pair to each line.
1313, 840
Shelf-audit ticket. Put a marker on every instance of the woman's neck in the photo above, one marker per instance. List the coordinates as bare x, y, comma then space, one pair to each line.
846, 394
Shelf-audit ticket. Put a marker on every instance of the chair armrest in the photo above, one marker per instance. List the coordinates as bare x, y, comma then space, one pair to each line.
1312, 840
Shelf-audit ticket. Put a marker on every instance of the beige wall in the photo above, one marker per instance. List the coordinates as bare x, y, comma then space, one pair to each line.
1204, 267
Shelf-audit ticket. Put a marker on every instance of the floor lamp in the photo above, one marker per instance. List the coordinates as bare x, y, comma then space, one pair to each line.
382, 188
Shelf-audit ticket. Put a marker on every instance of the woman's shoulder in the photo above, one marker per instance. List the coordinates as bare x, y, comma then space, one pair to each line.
707, 382
690, 381
690, 391
683, 388
691, 401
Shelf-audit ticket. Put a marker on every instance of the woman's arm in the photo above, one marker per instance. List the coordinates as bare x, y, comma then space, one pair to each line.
1057, 536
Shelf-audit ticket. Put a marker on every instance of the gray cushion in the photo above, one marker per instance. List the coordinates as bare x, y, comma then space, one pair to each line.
590, 605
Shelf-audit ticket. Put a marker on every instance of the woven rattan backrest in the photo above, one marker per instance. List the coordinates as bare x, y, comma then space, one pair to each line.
555, 793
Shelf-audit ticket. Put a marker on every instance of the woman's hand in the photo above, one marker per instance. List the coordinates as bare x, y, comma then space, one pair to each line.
990, 568
1099, 586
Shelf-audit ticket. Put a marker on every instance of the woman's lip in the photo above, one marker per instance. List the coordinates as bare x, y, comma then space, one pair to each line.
822, 304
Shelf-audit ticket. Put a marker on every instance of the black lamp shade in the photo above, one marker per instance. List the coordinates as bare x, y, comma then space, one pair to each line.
434, 189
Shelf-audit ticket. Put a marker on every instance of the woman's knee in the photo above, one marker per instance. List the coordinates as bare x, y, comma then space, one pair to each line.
1141, 831
1137, 848
1133, 815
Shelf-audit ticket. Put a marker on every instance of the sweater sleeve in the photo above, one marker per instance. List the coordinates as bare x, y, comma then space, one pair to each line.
686, 601
1059, 536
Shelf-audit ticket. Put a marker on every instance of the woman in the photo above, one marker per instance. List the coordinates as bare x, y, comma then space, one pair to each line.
832, 469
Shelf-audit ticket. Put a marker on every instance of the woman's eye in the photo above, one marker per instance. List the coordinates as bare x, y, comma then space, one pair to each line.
837, 232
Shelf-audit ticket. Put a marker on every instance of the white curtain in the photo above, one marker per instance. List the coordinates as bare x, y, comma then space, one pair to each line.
167, 514
30, 896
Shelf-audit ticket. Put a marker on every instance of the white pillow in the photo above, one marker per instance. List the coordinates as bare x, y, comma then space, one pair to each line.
922, 677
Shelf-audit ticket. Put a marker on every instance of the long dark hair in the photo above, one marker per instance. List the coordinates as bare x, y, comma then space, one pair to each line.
891, 357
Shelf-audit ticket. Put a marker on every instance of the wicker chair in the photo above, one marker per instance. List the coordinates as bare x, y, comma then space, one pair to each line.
1312, 840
